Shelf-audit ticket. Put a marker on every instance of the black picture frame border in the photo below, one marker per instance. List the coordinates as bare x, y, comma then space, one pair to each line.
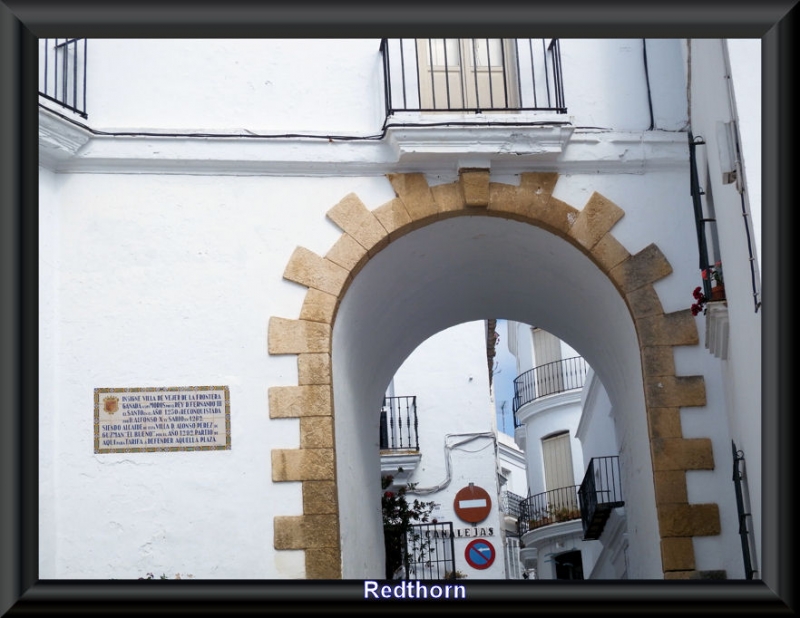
23, 22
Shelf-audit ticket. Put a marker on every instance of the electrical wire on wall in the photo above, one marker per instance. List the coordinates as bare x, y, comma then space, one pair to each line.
448, 448
647, 82
247, 134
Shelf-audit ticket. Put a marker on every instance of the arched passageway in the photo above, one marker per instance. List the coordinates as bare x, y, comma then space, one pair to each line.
437, 256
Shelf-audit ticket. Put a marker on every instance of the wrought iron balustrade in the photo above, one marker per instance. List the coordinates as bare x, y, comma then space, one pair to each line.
510, 503
472, 75
549, 507
399, 423
62, 73
429, 551
557, 377
600, 493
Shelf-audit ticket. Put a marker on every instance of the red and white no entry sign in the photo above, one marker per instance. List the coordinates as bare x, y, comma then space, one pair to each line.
472, 504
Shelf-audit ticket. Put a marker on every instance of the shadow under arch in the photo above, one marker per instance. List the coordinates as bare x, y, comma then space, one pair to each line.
469, 250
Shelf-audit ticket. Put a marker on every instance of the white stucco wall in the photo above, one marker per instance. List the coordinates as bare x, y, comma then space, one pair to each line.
597, 429
235, 84
513, 459
48, 369
170, 281
625, 106
739, 406
272, 85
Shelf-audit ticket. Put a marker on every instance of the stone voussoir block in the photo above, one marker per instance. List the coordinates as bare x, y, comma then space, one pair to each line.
306, 531
320, 497
349, 213
682, 454
675, 391
644, 302
313, 369
323, 563
316, 432
309, 269
536, 190
475, 186
664, 423
677, 328
595, 220
658, 361
347, 252
298, 401
554, 214
309, 464
371, 234
318, 306
297, 336
677, 554
609, 253
685, 520
416, 194
670, 486
508, 199
393, 216
640, 269
449, 198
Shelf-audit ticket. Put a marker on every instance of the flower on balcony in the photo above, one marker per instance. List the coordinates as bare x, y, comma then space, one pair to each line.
700, 301
713, 273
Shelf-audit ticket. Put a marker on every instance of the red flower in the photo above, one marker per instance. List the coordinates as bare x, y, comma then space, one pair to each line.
388, 494
701, 299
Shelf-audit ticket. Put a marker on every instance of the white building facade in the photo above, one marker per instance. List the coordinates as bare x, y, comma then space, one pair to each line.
441, 437
205, 227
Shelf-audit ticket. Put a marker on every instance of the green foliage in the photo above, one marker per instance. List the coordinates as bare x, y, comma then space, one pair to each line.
399, 516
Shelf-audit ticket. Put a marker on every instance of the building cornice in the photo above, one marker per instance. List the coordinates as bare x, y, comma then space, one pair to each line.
68, 146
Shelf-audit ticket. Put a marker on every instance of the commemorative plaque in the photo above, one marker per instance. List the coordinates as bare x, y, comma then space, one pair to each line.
173, 418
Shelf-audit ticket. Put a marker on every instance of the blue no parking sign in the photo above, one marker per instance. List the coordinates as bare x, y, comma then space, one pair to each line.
480, 554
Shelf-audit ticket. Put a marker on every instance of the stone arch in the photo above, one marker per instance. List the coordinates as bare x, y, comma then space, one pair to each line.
365, 233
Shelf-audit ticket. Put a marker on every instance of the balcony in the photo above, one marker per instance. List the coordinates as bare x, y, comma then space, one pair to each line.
510, 505
399, 424
549, 507
552, 378
399, 440
472, 75
62, 73
600, 493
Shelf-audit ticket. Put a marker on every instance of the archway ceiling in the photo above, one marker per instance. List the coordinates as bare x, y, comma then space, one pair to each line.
476, 267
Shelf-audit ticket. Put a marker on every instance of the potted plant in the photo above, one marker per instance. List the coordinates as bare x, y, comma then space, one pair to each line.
714, 274
717, 291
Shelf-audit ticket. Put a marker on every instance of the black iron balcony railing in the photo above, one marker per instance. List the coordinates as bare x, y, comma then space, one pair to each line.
744, 533
510, 503
62, 73
473, 75
600, 492
556, 377
399, 424
549, 507
430, 551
